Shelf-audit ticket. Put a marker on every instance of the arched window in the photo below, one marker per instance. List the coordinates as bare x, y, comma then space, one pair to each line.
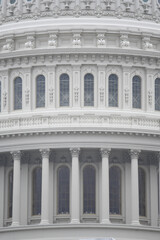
136, 92
63, 190
64, 90
40, 91
157, 94
115, 190
12, 1
17, 93
10, 193
113, 91
89, 190
88, 90
142, 192
36, 190
0, 95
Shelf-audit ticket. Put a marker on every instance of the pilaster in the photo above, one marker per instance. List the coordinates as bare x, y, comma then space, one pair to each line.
50, 87
5, 92
75, 188
45, 186
150, 90
105, 185
101, 87
153, 195
134, 187
126, 88
128, 192
76, 86
2, 170
16, 188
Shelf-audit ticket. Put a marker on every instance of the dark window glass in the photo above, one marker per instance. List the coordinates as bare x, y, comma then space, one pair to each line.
115, 190
88, 90
142, 192
136, 92
36, 191
64, 90
157, 94
40, 91
89, 190
17, 93
12, 1
10, 193
113, 90
63, 190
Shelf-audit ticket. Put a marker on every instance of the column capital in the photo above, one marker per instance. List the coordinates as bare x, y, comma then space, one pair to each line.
75, 152
45, 152
16, 155
134, 153
105, 152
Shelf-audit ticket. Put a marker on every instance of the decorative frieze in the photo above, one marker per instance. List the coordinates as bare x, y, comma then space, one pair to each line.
9, 45
52, 42
101, 42
77, 40
124, 41
146, 43
30, 42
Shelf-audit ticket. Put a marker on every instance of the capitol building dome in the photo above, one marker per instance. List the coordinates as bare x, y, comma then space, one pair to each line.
79, 119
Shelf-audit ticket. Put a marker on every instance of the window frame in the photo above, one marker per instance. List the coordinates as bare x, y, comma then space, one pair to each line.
89, 217
19, 109
69, 83
45, 86
157, 110
141, 96
108, 93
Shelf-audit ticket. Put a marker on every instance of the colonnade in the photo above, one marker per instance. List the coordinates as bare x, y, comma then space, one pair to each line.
75, 187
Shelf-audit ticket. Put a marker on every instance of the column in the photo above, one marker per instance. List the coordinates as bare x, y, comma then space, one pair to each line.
134, 187
75, 189
24, 190
2, 192
105, 185
16, 188
45, 186
153, 195
128, 192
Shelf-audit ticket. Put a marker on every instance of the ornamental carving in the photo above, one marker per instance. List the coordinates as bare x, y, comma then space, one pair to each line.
128, 4
45, 153
9, 45
47, 4
76, 40
105, 152
16, 155
28, 5
124, 41
30, 42
126, 93
134, 154
4, 99
101, 42
52, 42
51, 95
75, 152
76, 94
146, 43
108, 4
150, 97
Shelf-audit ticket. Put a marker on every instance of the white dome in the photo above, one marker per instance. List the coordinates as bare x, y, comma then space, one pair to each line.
80, 119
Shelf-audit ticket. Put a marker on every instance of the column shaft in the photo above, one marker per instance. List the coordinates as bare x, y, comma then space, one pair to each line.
159, 186
75, 206
45, 187
134, 188
1, 195
16, 188
105, 186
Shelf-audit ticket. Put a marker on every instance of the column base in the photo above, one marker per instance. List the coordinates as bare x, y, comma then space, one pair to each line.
44, 222
15, 224
137, 223
105, 221
75, 221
